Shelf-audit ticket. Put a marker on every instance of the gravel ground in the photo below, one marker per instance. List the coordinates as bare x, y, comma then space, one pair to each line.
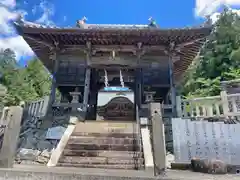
28, 172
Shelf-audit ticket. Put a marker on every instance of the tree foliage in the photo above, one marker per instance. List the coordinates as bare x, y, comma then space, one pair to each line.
23, 84
219, 58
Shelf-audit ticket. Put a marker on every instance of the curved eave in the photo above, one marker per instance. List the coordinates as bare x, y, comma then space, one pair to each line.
188, 54
40, 39
108, 36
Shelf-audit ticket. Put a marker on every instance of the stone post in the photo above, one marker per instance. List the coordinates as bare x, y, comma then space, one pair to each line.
179, 106
158, 138
224, 100
10, 138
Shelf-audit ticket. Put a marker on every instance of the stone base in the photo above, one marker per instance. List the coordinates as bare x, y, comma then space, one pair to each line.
33, 147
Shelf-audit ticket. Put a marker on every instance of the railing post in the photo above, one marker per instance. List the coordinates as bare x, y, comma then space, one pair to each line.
4, 115
158, 138
147, 145
179, 106
46, 105
224, 101
10, 137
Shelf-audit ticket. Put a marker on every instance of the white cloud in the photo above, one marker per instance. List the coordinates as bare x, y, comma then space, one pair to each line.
13, 41
47, 13
209, 7
8, 3
216, 15
18, 45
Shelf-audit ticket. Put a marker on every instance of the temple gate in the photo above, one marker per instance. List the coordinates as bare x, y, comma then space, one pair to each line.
107, 75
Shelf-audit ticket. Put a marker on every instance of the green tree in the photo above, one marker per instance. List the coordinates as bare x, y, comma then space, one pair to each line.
39, 77
23, 84
219, 58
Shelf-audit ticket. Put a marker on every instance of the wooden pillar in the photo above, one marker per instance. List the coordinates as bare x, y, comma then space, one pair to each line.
138, 83
87, 78
139, 76
54, 76
158, 138
10, 138
173, 88
86, 86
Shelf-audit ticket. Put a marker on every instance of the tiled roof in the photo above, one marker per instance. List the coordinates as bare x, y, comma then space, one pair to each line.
100, 26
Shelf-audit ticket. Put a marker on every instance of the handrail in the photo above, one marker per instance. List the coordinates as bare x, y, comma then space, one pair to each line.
138, 130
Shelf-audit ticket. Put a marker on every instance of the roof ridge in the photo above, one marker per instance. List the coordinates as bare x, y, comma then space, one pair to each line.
22, 22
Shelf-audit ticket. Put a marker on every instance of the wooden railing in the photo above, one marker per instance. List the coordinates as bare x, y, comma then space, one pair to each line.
37, 108
222, 105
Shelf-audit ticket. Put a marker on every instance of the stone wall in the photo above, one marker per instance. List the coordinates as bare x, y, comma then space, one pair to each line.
33, 146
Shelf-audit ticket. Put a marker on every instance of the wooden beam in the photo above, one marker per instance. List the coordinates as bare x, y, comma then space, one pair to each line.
179, 46
119, 48
39, 41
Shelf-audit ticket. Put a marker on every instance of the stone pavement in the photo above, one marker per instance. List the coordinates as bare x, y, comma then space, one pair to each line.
34, 172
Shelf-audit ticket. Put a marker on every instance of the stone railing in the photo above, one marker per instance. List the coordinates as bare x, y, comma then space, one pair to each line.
9, 131
212, 106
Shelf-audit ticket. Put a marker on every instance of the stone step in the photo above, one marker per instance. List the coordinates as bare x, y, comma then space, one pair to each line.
112, 147
103, 166
100, 140
103, 144
99, 160
96, 153
98, 135
106, 127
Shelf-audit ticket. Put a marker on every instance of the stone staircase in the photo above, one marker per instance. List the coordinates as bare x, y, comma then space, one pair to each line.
101, 144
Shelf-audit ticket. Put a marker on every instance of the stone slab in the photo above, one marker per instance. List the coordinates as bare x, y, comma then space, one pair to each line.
27, 172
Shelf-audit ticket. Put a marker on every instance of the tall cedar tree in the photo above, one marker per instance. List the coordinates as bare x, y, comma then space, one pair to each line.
219, 59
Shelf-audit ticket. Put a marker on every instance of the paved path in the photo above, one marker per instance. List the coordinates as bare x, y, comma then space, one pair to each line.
34, 172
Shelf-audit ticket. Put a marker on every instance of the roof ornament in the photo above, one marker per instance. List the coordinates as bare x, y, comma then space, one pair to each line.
106, 78
20, 18
121, 78
81, 22
152, 22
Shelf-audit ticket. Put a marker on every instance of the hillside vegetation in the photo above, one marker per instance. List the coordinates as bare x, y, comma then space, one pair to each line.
219, 59
23, 84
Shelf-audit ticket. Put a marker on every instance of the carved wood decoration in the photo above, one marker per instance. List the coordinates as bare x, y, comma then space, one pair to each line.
119, 108
116, 105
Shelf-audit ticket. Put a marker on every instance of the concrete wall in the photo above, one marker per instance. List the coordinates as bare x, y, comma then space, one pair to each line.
202, 139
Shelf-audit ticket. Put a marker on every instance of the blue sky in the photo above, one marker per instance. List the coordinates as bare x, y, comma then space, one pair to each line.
167, 13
